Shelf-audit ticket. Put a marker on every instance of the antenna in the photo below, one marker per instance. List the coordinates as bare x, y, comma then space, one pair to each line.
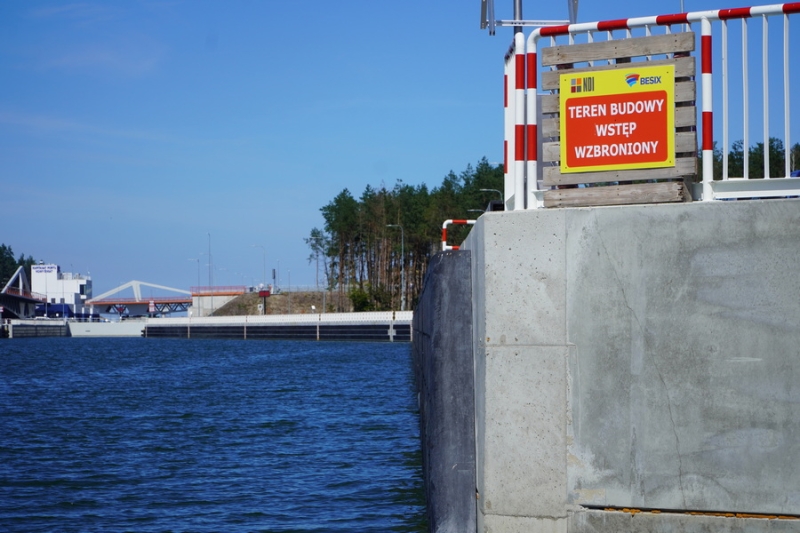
488, 20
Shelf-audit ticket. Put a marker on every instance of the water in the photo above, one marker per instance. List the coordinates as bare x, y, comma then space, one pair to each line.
165, 435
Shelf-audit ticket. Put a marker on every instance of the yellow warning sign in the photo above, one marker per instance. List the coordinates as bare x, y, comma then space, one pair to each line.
618, 119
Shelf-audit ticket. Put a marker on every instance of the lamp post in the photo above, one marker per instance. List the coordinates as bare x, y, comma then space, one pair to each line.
265, 261
493, 190
402, 265
198, 270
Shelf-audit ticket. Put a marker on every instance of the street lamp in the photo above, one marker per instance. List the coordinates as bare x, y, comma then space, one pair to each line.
198, 270
265, 260
493, 190
402, 265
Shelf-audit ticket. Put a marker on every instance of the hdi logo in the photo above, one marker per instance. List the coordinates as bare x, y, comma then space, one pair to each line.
581, 85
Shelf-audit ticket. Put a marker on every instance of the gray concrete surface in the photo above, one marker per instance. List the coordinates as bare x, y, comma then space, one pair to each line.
637, 356
444, 372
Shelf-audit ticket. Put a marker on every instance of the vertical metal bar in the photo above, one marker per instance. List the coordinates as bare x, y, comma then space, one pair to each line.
725, 124
708, 117
765, 74
509, 181
746, 107
517, 15
787, 140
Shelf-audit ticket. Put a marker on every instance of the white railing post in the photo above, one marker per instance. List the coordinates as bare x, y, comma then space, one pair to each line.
765, 76
786, 129
508, 128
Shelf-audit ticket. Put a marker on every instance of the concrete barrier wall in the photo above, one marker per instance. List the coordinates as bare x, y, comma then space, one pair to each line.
384, 326
443, 368
637, 357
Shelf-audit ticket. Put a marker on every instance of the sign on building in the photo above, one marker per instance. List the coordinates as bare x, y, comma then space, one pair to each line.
618, 119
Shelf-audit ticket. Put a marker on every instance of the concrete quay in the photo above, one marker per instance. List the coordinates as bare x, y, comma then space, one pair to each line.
625, 359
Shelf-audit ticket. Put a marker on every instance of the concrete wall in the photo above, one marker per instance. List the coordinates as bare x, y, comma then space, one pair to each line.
443, 369
639, 356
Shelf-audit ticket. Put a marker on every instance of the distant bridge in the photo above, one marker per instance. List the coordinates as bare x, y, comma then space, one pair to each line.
16, 298
204, 300
142, 306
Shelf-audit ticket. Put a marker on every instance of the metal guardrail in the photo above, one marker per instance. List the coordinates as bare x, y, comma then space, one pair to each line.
521, 73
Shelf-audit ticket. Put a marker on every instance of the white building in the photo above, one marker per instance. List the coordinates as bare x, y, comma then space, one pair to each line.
62, 289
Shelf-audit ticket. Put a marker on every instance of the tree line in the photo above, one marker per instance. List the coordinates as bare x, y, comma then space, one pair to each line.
9, 265
368, 243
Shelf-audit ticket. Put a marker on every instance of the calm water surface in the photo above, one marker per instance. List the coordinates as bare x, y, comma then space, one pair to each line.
203, 435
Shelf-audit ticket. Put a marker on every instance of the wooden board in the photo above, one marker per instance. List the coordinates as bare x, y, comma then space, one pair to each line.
618, 49
641, 193
684, 166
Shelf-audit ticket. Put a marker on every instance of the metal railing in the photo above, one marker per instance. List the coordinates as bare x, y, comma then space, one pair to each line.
522, 146
25, 294
458, 222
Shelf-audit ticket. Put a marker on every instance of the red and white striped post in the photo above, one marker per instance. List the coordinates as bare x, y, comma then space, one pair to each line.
708, 114
519, 122
531, 128
446, 223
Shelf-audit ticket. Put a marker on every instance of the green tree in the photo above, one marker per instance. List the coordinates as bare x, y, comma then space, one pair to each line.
364, 259
9, 265
755, 155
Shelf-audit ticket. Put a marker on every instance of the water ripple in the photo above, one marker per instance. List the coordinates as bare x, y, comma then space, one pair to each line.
201, 435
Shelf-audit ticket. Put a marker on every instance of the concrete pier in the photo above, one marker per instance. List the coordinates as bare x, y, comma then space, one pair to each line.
640, 357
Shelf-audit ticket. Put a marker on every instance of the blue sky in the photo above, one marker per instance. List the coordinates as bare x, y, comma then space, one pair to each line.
133, 133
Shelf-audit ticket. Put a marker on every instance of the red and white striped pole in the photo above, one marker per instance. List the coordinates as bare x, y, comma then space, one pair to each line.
531, 127
519, 121
708, 115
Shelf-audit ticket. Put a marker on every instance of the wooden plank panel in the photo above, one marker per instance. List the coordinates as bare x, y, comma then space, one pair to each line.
617, 49
684, 67
551, 103
640, 193
684, 166
684, 117
685, 91
685, 141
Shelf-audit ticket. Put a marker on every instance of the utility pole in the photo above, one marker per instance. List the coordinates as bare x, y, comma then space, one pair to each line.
402, 263
264, 249
210, 273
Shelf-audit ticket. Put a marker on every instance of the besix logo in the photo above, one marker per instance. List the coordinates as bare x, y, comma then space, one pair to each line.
633, 79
